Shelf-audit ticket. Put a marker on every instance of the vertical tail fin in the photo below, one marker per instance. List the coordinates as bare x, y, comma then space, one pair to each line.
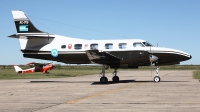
23, 24
18, 69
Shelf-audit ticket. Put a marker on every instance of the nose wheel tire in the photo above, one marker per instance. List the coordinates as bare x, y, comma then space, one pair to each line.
115, 79
156, 79
103, 80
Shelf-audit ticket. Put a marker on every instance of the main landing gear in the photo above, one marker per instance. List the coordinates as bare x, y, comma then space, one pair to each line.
115, 77
157, 78
104, 79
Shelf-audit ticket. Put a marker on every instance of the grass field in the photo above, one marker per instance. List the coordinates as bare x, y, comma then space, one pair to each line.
8, 72
196, 74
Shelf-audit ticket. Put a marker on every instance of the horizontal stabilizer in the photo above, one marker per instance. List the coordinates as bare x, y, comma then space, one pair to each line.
39, 37
31, 37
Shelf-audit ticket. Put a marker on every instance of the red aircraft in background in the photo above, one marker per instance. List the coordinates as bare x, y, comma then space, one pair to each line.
38, 67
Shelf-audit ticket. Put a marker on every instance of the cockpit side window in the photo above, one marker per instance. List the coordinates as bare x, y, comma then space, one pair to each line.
138, 44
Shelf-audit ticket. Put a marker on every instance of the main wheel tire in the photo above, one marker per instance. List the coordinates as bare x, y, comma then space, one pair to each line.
103, 80
115, 79
156, 79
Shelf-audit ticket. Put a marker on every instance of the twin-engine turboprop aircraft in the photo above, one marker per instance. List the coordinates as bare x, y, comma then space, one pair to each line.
124, 53
38, 67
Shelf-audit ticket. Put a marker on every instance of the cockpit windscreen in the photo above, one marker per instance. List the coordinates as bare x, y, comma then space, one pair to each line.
147, 44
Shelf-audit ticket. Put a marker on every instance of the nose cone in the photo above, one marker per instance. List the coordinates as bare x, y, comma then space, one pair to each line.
153, 58
183, 56
190, 57
167, 56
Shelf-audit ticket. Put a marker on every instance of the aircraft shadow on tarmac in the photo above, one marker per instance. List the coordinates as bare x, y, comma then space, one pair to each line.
99, 83
131, 81
61, 81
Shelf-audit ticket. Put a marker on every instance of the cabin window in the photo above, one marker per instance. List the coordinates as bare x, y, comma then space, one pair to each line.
94, 46
122, 45
109, 46
138, 45
78, 46
63, 46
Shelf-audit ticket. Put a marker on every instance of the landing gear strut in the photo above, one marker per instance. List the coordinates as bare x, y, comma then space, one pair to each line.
115, 77
157, 78
103, 79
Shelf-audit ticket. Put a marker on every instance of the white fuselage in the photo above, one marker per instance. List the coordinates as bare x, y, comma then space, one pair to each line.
86, 45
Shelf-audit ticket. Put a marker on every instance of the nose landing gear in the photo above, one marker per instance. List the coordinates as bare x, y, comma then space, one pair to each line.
157, 78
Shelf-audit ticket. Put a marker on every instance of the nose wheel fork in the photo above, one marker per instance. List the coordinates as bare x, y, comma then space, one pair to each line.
157, 78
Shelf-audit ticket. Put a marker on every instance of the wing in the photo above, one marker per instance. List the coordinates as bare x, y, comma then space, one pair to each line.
100, 57
36, 64
30, 63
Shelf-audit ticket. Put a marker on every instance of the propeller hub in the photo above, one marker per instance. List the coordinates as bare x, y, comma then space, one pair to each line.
153, 58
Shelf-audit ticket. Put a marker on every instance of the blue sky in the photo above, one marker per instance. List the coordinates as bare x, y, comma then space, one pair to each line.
170, 23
